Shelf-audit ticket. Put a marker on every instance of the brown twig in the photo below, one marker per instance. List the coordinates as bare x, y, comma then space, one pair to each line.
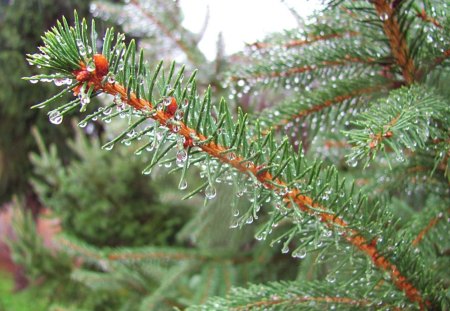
326, 104
187, 50
281, 74
301, 299
424, 16
311, 39
302, 202
425, 230
397, 40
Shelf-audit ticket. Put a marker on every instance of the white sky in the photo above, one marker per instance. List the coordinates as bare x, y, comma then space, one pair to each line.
241, 21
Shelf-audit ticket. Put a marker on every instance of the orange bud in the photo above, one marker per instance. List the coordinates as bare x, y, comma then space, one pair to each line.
101, 65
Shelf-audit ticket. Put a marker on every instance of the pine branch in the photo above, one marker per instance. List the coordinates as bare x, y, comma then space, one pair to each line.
406, 119
397, 40
315, 102
204, 133
425, 230
295, 295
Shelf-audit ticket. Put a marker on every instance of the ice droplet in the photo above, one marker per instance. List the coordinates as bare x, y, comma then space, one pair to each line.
55, 117
210, 192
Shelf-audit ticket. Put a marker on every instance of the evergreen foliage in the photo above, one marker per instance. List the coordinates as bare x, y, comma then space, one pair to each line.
72, 194
367, 252
21, 26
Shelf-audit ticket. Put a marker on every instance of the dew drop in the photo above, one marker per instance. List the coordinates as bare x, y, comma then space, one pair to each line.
210, 192
183, 184
352, 162
181, 157
55, 117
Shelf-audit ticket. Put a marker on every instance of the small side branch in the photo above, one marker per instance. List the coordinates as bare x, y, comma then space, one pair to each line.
397, 40
425, 230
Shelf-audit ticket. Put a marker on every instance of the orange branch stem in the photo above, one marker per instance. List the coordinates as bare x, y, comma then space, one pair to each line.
424, 16
312, 39
302, 299
397, 40
292, 71
425, 230
303, 202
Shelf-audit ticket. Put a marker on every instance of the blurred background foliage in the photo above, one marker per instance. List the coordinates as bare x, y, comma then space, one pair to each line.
125, 240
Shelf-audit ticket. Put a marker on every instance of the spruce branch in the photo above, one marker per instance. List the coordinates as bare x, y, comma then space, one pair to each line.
407, 119
201, 132
424, 231
397, 40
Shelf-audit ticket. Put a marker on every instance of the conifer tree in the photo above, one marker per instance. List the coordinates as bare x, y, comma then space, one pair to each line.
350, 159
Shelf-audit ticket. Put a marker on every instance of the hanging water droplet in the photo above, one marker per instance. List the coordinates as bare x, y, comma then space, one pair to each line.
235, 212
210, 192
331, 278
352, 162
79, 42
34, 81
82, 124
111, 79
59, 81
299, 253
183, 184
249, 220
55, 117
178, 115
285, 249
85, 100
181, 157
90, 67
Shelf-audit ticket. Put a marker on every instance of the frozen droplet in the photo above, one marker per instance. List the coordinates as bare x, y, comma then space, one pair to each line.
210, 192
183, 184
55, 117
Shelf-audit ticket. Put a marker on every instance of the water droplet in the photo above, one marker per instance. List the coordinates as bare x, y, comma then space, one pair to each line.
249, 220
82, 124
181, 157
384, 16
59, 81
352, 162
111, 79
166, 101
299, 253
331, 278
34, 81
285, 249
55, 117
210, 192
90, 67
85, 100
183, 184
178, 115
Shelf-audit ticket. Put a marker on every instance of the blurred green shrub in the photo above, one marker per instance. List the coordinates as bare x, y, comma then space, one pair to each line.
103, 199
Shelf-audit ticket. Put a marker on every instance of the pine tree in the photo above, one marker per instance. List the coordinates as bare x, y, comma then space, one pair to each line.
21, 27
363, 81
